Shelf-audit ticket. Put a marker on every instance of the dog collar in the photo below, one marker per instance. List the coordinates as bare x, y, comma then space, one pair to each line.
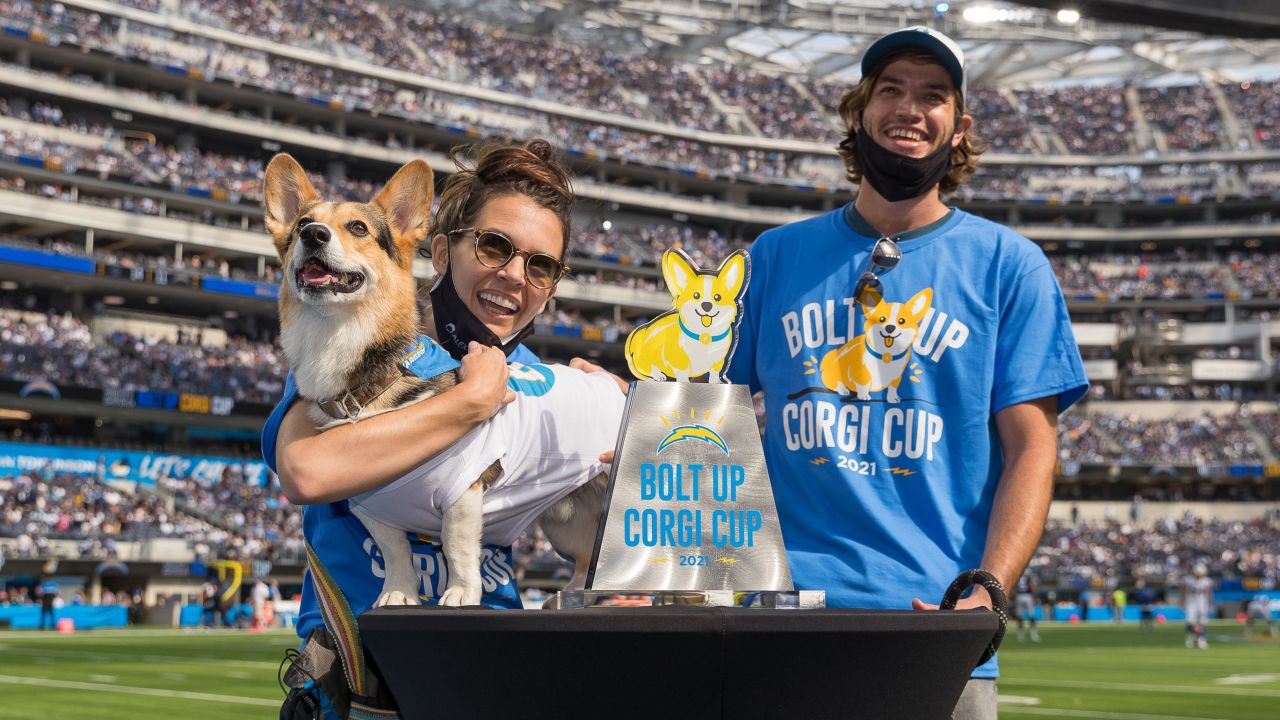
878, 356
704, 338
350, 404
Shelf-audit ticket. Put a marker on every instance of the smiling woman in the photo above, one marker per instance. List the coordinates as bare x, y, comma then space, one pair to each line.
498, 243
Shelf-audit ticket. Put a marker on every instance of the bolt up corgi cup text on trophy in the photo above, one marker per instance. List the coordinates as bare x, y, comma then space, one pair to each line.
689, 516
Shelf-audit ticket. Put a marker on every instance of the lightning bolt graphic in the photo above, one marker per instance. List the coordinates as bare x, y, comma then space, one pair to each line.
819, 461
727, 560
660, 560
902, 471
693, 432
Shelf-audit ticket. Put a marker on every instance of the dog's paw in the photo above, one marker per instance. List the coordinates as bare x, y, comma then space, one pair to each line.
459, 596
891, 396
395, 598
864, 395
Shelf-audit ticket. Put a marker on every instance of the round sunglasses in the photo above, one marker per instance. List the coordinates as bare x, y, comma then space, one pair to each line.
494, 249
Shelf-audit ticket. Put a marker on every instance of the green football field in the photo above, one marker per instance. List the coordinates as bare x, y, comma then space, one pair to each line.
1090, 671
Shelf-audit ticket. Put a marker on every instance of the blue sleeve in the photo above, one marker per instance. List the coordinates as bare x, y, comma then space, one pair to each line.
742, 365
272, 428
1036, 352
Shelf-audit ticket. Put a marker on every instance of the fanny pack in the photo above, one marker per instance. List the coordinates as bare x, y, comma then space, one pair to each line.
331, 678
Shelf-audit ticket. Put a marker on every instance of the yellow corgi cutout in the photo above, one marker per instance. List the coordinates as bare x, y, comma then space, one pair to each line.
876, 359
696, 336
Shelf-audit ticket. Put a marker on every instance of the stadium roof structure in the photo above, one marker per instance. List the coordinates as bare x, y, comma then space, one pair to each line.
1006, 45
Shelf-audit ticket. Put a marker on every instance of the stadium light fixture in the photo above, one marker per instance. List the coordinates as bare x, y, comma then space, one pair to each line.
941, 8
1068, 16
985, 14
607, 225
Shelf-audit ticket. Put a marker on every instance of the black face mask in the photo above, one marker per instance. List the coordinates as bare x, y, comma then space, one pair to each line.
456, 326
897, 177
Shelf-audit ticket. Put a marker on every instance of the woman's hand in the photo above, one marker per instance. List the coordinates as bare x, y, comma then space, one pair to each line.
587, 366
484, 380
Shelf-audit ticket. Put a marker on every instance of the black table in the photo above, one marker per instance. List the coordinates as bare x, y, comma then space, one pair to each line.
675, 662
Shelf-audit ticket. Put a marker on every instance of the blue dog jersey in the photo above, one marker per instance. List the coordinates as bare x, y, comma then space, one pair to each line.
888, 498
349, 553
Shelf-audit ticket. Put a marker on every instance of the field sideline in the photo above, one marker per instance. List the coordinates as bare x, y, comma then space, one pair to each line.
1099, 671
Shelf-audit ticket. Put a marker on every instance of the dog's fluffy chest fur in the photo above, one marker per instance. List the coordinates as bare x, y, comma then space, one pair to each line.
324, 352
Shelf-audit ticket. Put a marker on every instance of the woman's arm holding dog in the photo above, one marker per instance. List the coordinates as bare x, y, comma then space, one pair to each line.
350, 459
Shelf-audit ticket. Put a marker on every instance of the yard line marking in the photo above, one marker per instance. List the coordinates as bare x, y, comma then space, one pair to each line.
147, 633
103, 678
1089, 684
158, 659
126, 690
1017, 700
1101, 715
1243, 679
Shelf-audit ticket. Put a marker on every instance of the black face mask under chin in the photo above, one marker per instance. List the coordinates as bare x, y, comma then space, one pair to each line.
897, 177
456, 326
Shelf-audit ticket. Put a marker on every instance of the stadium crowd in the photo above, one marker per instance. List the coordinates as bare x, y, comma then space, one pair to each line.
1094, 119
230, 519
1163, 550
61, 349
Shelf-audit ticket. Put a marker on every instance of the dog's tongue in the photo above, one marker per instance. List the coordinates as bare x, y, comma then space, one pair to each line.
888, 342
317, 275
706, 321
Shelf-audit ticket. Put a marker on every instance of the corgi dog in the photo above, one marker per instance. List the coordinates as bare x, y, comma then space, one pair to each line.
876, 359
695, 337
350, 328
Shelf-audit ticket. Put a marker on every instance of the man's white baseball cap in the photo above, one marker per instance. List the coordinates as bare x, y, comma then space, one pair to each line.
922, 38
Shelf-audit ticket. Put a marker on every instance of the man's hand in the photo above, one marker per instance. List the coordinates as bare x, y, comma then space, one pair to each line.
484, 376
979, 598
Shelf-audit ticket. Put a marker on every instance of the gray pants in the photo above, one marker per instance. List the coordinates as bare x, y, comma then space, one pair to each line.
977, 702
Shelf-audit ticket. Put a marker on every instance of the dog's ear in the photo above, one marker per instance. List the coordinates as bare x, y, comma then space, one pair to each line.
733, 272
285, 191
406, 200
919, 304
677, 270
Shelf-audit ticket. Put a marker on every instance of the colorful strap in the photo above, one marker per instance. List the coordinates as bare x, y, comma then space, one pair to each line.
340, 621
360, 711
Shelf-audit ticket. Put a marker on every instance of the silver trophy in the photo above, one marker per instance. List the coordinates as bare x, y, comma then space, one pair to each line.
690, 517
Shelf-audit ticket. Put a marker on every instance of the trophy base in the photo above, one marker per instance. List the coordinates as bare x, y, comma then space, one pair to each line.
768, 599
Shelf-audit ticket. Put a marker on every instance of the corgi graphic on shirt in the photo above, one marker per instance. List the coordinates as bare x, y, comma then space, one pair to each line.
876, 359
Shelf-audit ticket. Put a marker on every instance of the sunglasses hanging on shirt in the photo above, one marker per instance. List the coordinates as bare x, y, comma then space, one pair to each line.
884, 257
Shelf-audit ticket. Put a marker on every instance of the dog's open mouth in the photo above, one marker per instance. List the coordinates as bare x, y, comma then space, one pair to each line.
315, 275
706, 319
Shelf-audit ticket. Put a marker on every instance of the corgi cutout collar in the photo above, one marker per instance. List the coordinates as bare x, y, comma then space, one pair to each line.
704, 338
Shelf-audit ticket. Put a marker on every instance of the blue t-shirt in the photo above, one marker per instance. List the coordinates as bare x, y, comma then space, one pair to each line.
888, 498
346, 548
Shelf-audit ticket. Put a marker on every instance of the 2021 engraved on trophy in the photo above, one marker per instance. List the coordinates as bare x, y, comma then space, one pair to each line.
690, 517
